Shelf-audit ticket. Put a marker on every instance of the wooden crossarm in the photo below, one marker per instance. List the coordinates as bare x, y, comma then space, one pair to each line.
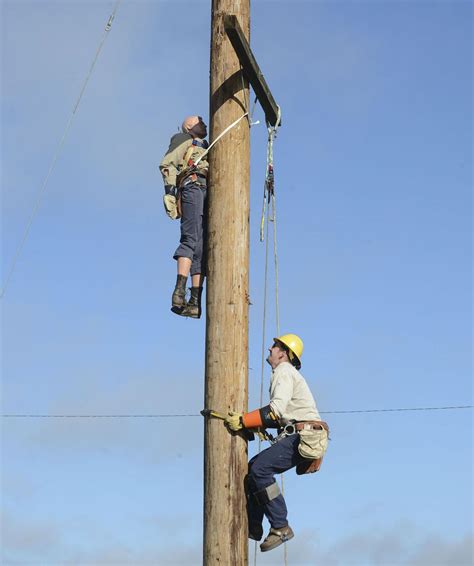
251, 69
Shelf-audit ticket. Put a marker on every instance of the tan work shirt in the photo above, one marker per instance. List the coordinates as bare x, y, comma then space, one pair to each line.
173, 161
290, 396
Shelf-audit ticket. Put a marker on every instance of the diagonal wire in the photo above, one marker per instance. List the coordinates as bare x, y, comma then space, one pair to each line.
57, 153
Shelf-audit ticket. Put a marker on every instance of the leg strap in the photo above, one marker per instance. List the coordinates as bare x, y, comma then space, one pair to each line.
267, 493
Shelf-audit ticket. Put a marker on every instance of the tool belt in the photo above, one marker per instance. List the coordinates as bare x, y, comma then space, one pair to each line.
294, 427
191, 178
312, 445
312, 425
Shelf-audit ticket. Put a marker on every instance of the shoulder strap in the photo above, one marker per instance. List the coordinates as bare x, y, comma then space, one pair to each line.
187, 155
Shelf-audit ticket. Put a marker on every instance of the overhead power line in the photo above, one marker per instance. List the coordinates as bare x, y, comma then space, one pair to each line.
169, 416
57, 153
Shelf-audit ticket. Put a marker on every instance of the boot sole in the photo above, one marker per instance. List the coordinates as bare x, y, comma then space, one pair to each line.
276, 544
177, 310
184, 312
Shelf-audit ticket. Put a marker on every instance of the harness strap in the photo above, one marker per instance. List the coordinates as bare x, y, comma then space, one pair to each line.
189, 168
200, 143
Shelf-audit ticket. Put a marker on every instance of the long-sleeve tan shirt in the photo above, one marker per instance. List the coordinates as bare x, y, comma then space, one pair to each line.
290, 396
173, 161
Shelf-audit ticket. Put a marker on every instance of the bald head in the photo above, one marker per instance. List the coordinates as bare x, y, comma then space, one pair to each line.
189, 123
194, 126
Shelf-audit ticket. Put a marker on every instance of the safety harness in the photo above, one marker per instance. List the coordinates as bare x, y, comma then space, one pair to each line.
189, 171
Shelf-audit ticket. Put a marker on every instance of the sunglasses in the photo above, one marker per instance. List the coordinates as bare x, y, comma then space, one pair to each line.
284, 348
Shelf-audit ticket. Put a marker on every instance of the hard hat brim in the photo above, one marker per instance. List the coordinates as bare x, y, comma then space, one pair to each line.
293, 357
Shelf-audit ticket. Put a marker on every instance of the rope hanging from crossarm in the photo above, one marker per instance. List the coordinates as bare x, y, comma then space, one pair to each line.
269, 185
269, 211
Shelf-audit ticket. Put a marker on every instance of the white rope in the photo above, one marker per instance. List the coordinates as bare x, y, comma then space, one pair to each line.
220, 136
262, 374
273, 218
270, 212
57, 152
269, 180
246, 101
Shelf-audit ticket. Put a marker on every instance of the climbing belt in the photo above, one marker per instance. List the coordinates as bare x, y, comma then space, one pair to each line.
269, 211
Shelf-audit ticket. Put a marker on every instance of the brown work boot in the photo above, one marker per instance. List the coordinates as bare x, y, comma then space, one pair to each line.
178, 299
193, 308
276, 537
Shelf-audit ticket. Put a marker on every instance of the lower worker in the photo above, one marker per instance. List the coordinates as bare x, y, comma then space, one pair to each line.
184, 172
301, 442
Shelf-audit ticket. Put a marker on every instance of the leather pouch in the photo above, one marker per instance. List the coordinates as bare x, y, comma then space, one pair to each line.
309, 466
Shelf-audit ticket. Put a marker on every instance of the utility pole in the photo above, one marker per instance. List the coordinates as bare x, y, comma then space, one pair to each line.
226, 381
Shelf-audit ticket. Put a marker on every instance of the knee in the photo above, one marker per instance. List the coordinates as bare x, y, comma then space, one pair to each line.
189, 241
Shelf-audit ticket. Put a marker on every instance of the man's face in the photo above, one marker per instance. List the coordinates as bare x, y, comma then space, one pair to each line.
202, 124
276, 355
200, 129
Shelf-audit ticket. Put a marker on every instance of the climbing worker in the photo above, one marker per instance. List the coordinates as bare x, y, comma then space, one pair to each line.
301, 441
184, 170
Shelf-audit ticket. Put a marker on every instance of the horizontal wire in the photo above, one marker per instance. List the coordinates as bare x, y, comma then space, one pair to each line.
152, 416
402, 409
167, 416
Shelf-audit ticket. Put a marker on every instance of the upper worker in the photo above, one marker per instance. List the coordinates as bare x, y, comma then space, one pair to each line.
184, 169
302, 440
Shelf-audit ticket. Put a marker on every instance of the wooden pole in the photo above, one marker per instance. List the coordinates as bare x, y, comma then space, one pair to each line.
226, 381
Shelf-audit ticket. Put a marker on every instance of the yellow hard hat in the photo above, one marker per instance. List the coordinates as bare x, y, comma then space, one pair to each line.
295, 347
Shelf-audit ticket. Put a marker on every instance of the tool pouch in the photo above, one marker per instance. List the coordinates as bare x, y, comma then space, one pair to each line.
172, 206
312, 446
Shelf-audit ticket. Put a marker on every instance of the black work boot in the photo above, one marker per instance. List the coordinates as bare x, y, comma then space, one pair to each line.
193, 308
178, 299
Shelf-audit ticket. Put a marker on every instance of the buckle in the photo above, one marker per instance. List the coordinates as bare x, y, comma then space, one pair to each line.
190, 179
289, 429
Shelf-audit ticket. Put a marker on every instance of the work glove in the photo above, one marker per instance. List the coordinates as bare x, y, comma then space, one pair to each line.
171, 203
171, 206
234, 421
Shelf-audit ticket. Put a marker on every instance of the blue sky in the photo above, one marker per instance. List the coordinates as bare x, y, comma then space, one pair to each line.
373, 169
